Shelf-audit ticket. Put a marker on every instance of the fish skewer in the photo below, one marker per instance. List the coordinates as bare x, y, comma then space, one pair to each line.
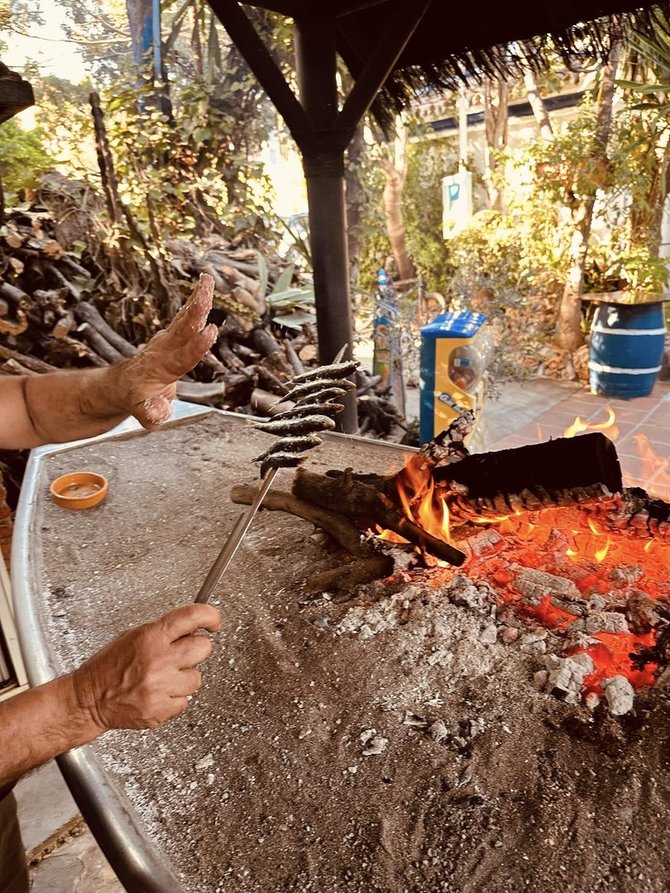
297, 429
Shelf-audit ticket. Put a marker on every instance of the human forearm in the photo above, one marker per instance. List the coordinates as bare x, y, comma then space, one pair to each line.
141, 679
60, 406
75, 404
40, 724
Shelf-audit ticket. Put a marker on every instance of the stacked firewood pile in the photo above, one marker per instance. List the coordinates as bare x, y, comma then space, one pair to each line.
69, 298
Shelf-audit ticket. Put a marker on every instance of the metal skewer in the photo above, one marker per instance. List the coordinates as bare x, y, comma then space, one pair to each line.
237, 533
314, 389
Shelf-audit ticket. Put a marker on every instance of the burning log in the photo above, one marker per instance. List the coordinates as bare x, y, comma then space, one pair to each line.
538, 475
636, 509
370, 504
333, 523
474, 485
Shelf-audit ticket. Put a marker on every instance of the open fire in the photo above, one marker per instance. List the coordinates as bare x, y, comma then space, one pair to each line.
590, 580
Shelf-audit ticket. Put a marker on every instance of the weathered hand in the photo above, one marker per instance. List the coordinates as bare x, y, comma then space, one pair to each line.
153, 373
145, 675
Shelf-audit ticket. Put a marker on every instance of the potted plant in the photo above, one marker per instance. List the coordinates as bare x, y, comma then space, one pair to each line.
627, 337
634, 278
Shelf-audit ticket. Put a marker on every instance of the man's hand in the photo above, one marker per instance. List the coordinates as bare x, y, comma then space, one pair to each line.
145, 676
170, 354
79, 403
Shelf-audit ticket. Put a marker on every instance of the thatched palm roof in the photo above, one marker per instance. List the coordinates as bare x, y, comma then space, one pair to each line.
453, 41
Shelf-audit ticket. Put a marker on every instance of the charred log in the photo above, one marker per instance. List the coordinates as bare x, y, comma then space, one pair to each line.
555, 466
370, 506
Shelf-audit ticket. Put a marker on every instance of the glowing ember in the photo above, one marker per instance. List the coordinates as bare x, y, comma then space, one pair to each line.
607, 570
596, 589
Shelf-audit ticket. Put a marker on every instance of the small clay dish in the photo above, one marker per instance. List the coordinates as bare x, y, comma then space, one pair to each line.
79, 490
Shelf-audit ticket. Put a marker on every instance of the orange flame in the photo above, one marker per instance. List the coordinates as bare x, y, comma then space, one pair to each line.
655, 476
579, 426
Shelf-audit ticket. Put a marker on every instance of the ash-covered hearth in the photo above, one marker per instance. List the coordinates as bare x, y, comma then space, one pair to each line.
562, 558
373, 721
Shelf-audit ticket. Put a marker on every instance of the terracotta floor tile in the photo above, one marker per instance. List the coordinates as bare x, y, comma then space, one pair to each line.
559, 419
657, 434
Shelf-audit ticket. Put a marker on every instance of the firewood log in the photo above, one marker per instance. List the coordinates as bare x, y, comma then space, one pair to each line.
14, 327
99, 344
227, 356
13, 367
294, 360
372, 505
262, 341
16, 297
31, 363
342, 530
64, 325
239, 388
87, 313
76, 268
271, 381
212, 394
69, 352
56, 274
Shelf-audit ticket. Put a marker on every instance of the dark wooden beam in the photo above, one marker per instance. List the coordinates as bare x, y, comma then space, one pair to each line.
384, 54
297, 8
242, 32
15, 95
323, 148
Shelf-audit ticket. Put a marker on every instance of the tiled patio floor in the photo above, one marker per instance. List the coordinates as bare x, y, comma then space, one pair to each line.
635, 420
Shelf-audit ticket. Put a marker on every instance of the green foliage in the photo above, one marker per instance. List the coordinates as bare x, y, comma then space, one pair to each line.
654, 51
636, 271
486, 254
428, 163
64, 116
23, 157
565, 169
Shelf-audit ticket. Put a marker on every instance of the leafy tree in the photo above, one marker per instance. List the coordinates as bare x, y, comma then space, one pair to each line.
648, 89
23, 157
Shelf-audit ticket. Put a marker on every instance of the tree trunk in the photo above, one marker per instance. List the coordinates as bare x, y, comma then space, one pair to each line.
568, 328
117, 209
496, 97
395, 174
355, 198
196, 41
646, 217
540, 112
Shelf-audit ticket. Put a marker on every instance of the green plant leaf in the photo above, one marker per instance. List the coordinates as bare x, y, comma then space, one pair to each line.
284, 280
262, 275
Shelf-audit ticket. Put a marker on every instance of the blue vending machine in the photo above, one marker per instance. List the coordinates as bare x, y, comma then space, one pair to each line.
455, 350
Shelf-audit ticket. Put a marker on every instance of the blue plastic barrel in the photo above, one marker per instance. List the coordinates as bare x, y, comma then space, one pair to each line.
626, 351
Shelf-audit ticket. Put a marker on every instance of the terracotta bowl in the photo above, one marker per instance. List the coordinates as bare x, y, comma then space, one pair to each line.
79, 490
